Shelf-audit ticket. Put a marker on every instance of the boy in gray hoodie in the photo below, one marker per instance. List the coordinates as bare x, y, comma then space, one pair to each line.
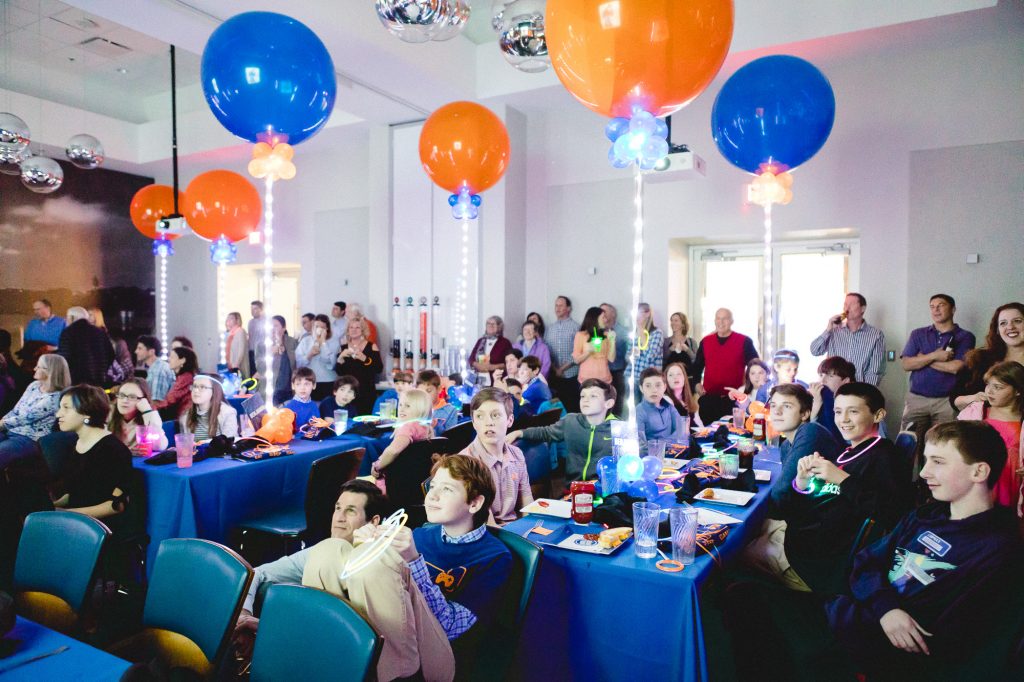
587, 434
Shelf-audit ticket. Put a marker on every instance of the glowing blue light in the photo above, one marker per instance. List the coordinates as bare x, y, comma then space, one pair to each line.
630, 468
465, 205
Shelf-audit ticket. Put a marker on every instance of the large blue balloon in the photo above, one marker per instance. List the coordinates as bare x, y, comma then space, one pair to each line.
774, 112
268, 77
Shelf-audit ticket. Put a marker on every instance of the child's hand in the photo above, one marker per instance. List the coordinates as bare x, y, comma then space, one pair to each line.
803, 472
904, 632
143, 406
513, 436
826, 470
405, 545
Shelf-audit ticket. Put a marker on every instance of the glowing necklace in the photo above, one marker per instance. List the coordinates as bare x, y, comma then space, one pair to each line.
843, 462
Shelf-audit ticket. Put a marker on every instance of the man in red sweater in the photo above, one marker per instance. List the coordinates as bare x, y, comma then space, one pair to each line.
721, 358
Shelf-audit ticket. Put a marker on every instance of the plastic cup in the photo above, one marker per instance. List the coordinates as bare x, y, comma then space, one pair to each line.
645, 529
739, 416
340, 421
683, 522
656, 448
729, 464
185, 445
145, 436
747, 450
685, 440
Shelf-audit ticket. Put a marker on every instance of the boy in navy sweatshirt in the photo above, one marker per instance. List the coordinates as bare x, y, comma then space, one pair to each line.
929, 600
656, 416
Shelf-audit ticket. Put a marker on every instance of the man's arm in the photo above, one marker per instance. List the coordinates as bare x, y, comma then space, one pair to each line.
876, 363
949, 366
819, 346
285, 571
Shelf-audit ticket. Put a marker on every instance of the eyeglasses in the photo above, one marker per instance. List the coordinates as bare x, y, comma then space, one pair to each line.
129, 398
198, 387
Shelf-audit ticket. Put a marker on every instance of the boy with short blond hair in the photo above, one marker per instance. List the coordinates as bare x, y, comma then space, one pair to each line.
491, 410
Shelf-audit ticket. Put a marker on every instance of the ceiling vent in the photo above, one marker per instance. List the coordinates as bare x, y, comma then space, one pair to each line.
105, 48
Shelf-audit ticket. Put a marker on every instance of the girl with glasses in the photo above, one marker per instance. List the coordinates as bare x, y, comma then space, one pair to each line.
132, 408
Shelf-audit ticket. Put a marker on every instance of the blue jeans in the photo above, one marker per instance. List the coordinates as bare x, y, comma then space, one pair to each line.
14, 447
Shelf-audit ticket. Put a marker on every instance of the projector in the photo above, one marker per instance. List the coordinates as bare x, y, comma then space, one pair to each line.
172, 224
678, 165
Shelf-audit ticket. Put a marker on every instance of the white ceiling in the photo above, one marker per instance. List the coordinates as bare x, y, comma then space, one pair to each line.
381, 79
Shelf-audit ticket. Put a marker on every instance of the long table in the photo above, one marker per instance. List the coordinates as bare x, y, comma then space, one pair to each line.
78, 663
211, 497
618, 617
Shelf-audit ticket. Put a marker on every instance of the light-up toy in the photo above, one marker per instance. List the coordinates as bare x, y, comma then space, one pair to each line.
376, 547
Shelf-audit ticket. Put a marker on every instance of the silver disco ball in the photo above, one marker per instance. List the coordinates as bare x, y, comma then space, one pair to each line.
414, 21
41, 174
520, 28
14, 133
456, 13
85, 151
10, 162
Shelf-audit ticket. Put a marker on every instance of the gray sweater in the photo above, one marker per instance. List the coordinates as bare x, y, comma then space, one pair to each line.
585, 443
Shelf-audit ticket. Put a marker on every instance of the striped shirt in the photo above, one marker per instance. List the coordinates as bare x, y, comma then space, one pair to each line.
652, 356
559, 337
511, 480
865, 348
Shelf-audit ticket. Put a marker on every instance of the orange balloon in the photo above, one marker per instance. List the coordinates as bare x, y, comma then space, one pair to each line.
220, 202
463, 144
654, 54
150, 204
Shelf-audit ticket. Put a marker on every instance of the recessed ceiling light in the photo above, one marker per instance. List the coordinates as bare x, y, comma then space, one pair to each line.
122, 70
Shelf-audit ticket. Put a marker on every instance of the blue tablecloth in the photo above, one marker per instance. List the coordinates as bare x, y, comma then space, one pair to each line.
211, 497
79, 663
618, 617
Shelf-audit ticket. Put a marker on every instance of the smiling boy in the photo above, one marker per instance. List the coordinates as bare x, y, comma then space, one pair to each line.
828, 502
492, 416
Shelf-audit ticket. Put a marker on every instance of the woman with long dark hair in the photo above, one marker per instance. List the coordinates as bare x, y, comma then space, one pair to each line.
319, 352
1004, 342
185, 365
132, 408
209, 415
594, 347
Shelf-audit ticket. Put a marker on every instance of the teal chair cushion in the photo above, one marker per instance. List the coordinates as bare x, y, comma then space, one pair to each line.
58, 553
196, 590
289, 522
307, 634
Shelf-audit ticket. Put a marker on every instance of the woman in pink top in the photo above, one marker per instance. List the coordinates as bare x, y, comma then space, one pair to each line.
594, 347
1003, 409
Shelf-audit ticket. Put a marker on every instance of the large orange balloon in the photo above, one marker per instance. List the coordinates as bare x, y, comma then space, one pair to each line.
221, 202
659, 55
150, 204
463, 144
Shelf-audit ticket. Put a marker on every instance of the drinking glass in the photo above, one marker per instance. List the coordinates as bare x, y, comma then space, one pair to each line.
185, 445
646, 516
683, 522
340, 421
656, 448
729, 464
739, 416
685, 439
145, 436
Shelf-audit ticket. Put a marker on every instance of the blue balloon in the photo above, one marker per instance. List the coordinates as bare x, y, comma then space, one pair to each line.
267, 77
775, 111
652, 467
615, 160
616, 127
661, 128
453, 199
643, 488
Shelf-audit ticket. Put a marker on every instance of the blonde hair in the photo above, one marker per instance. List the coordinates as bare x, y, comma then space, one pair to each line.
97, 318
362, 325
419, 403
58, 376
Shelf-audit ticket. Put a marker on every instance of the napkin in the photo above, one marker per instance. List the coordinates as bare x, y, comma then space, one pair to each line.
691, 485
616, 510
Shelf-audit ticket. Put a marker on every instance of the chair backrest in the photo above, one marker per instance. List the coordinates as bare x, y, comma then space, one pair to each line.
548, 417
906, 443
459, 437
326, 477
526, 557
307, 634
58, 554
170, 428
405, 475
58, 450
196, 590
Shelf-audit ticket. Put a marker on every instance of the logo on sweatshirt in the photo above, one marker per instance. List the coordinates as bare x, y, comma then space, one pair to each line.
908, 566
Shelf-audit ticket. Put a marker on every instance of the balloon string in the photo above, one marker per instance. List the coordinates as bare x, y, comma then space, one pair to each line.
268, 280
638, 262
222, 276
768, 312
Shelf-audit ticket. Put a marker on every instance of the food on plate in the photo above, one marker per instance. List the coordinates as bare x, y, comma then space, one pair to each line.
613, 537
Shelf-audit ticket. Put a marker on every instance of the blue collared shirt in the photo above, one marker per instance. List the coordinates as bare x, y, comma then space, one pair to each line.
47, 331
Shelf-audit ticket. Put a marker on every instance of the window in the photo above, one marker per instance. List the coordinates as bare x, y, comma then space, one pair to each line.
810, 280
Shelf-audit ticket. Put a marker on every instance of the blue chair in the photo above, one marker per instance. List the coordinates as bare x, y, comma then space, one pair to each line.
459, 437
312, 522
56, 566
493, 651
906, 442
307, 634
194, 598
170, 428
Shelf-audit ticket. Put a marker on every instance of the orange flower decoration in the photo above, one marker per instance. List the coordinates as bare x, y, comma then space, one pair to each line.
274, 161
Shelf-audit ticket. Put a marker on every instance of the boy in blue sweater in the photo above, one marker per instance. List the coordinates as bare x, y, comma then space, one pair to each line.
926, 600
656, 416
303, 383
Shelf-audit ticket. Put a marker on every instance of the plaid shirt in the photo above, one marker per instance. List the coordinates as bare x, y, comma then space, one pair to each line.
865, 348
511, 480
454, 618
654, 356
160, 378
560, 336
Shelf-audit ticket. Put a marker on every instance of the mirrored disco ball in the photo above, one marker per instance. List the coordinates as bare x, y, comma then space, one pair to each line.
414, 21
14, 133
520, 28
10, 162
456, 15
41, 174
85, 151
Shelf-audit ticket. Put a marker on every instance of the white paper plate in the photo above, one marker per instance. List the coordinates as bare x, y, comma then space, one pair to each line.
762, 475
735, 498
579, 543
558, 508
676, 464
